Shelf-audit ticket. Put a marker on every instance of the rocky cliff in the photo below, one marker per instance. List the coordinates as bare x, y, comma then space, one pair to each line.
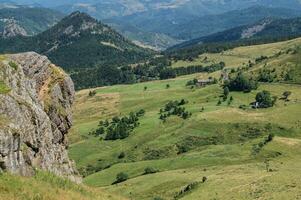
35, 116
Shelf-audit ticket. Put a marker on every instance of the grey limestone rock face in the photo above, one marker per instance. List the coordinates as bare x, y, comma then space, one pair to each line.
35, 116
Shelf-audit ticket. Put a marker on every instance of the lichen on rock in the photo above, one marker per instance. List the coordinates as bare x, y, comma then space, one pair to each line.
35, 116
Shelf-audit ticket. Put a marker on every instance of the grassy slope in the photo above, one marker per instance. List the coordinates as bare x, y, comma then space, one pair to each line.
45, 186
229, 164
240, 56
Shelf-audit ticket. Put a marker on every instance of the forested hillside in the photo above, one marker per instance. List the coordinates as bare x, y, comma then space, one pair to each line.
79, 43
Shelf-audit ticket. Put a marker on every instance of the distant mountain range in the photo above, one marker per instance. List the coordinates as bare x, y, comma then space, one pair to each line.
209, 24
79, 41
185, 7
164, 23
268, 29
26, 21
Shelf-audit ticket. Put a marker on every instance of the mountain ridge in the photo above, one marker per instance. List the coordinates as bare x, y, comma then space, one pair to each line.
269, 28
72, 34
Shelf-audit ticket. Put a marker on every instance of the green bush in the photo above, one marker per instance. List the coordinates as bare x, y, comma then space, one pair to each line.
121, 177
4, 88
13, 65
121, 155
150, 170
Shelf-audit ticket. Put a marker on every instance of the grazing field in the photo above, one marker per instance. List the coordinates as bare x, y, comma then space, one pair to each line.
155, 144
210, 155
240, 57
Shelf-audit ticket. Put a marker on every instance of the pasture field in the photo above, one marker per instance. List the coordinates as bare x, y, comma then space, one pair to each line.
218, 160
154, 143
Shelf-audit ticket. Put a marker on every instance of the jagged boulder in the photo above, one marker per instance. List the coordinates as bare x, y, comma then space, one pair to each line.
35, 116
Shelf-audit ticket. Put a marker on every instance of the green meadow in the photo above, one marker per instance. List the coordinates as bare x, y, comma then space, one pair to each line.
218, 139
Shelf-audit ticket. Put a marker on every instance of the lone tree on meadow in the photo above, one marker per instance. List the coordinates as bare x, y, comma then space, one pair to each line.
265, 100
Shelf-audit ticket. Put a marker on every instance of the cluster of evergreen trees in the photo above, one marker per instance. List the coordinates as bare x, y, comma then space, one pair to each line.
174, 108
119, 127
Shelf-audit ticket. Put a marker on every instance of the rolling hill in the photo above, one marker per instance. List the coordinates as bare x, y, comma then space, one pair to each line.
211, 154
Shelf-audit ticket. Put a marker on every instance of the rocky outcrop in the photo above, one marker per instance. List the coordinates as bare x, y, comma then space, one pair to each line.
12, 29
35, 116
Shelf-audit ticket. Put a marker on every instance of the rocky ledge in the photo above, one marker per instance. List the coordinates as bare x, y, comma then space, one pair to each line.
35, 116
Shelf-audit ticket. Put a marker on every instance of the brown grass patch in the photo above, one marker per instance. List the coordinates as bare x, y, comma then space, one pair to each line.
98, 106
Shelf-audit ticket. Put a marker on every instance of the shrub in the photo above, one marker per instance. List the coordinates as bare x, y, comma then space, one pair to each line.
121, 177
4, 88
192, 82
286, 94
186, 190
243, 107
150, 170
140, 113
13, 65
257, 147
92, 93
121, 155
